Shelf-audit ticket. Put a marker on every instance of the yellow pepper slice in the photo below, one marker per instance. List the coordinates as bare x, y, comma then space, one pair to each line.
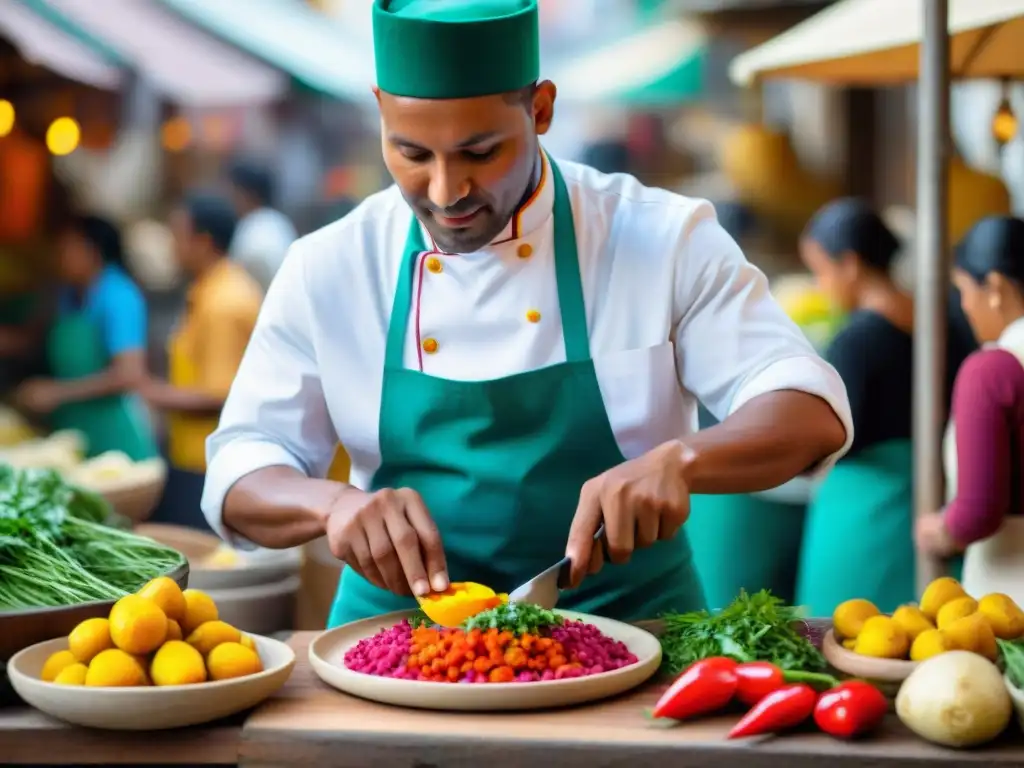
460, 601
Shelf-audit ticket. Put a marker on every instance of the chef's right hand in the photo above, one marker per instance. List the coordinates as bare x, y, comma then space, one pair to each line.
389, 538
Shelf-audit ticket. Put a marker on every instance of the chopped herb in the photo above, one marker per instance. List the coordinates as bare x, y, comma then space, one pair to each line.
518, 618
756, 627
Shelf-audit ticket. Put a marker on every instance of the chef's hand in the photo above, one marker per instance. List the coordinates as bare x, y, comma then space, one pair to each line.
641, 501
40, 396
390, 539
932, 536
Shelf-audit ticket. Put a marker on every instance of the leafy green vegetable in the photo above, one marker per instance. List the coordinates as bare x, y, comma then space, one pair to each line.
55, 549
518, 618
1013, 661
756, 627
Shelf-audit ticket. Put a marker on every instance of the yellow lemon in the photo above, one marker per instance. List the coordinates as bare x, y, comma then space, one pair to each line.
883, 638
115, 668
137, 625
913, 620
1005, 616
173, 631
248, 642
55, 664
229, 660
165, 592
199, 609
177, 663
955, 609
72, 674
930, 643
210, 634
938, 593
89, 638
973, 633
849, 617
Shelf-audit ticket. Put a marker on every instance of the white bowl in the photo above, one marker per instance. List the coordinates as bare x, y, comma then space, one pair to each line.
327, 657
147, 708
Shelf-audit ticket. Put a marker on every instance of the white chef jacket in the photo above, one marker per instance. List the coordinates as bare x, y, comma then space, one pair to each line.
674, 311
261, 241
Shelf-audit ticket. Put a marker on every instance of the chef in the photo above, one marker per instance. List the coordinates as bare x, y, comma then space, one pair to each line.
511, 348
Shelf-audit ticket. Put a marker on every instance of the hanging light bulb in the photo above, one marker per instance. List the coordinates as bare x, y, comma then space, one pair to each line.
1004, 121
63, 135
6, 117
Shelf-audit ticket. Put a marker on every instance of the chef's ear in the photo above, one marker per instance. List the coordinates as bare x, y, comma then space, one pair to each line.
997, 287
544, 106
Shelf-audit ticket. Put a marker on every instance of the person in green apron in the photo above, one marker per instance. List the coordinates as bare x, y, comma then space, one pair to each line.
510, 348
858, 540
95, 347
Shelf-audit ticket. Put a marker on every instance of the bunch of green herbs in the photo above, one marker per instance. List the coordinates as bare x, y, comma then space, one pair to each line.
57, 548
758, 627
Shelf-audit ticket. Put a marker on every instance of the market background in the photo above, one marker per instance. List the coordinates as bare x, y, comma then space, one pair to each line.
121, 106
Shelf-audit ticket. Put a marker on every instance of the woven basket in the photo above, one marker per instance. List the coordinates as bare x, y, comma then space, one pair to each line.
136, 496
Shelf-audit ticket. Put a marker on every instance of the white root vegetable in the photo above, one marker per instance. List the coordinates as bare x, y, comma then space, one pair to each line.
957, 699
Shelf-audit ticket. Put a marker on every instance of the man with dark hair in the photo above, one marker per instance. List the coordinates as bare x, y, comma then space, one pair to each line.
264, 234
511, 347
204, 350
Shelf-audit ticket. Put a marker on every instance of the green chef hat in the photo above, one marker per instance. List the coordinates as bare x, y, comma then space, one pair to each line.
455, 49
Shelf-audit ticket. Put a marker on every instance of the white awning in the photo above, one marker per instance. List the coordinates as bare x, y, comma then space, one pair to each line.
307, 45
183, 62
876, 41
43, 43
662, 60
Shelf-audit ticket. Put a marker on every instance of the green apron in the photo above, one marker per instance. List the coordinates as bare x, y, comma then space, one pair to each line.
115, 423
742, 541
500, 464
859, 538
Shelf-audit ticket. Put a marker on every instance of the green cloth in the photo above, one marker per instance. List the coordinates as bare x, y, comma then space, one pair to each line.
500, 464
743, 541
859, 536
455, 49
114, 423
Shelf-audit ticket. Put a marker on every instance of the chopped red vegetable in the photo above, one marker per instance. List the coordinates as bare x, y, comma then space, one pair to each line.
850, 709
705, 686
757, 679
779, 711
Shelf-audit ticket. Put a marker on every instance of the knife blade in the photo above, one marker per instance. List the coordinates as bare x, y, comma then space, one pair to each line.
544, 588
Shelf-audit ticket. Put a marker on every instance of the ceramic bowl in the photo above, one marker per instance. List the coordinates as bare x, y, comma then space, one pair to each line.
892, 671
147, 708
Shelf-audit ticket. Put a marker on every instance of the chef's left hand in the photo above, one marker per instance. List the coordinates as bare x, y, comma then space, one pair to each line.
932, 536
40, 396
641, 501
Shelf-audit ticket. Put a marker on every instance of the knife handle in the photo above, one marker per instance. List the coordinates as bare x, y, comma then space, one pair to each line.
565, 567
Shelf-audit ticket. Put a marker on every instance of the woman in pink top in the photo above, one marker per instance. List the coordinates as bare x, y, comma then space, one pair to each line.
983, 519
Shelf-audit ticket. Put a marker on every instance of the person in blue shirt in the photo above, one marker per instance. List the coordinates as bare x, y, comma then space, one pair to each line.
95, 347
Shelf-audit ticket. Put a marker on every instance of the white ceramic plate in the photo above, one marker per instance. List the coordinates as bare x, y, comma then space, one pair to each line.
327, 657
148, 708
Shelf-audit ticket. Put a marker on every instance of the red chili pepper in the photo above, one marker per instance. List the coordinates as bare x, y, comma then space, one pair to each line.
778, 711
850, 709
756, 679
706, 686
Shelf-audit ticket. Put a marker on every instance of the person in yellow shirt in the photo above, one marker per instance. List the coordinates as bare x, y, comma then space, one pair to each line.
205, 349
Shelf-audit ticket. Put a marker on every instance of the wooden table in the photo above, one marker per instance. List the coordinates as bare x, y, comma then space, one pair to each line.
310, 724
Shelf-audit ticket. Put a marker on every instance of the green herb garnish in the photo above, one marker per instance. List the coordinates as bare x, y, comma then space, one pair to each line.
757, 627
1012, 653
518, 618
57, 547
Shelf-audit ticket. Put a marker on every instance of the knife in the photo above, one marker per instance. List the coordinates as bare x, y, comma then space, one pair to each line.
545, 588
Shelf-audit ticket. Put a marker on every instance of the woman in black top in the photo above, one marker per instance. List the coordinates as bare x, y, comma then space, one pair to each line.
858, 537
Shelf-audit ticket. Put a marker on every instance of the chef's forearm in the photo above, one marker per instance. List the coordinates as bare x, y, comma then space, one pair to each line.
765, 443
279, 507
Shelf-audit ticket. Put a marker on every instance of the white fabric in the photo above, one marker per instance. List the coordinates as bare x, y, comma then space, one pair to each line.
261, 242
876, 41
674, 310
995, 564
